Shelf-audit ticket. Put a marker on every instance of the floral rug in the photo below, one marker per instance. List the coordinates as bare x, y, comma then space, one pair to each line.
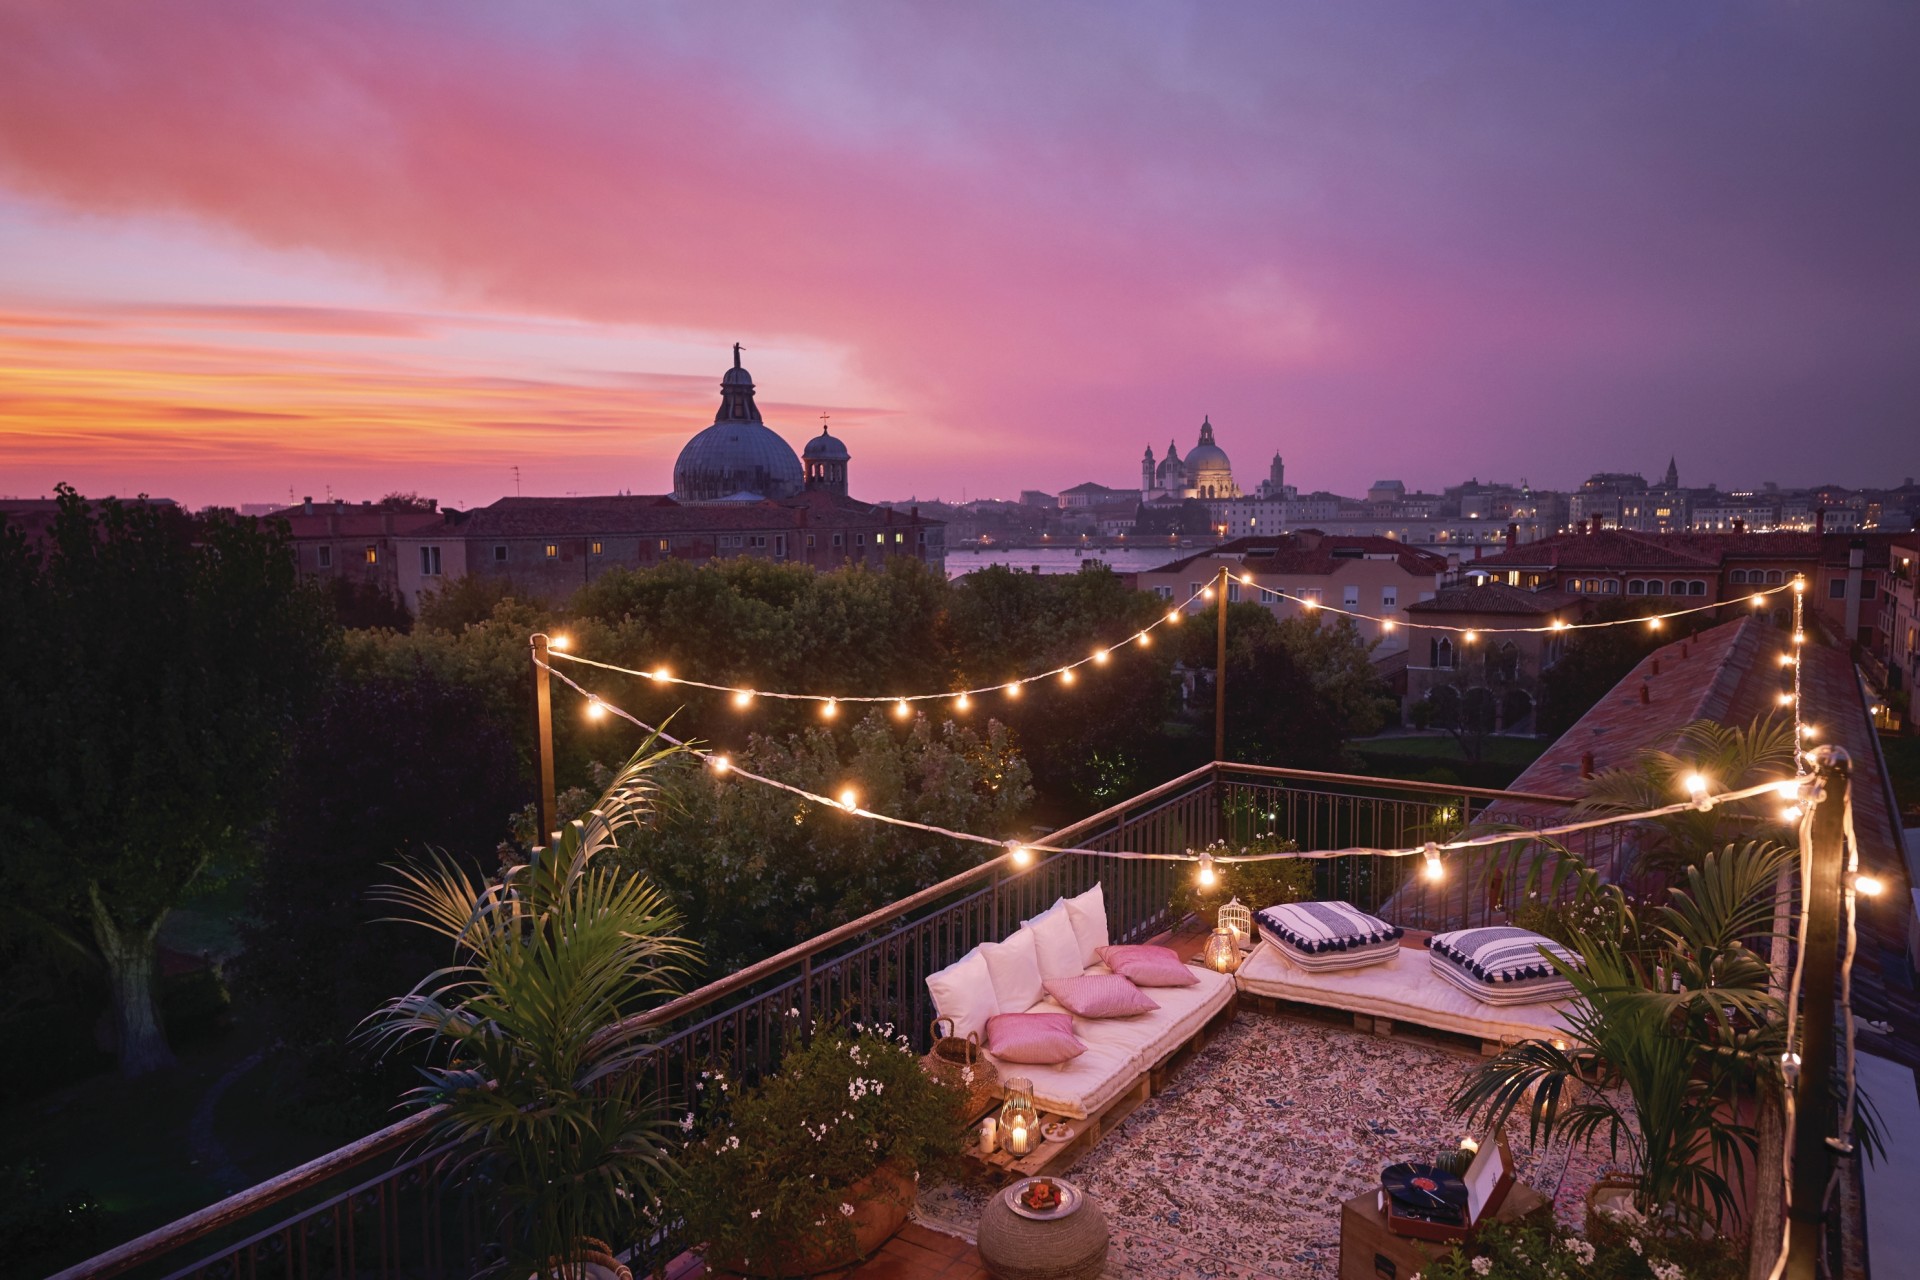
1240, 1167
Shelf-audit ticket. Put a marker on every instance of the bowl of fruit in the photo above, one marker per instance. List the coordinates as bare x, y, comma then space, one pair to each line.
1043, 1198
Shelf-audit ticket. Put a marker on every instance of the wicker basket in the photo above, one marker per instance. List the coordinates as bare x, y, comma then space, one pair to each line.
963, 1064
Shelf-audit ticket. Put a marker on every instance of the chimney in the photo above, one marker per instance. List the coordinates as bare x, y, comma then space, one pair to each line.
1819, 520
1594, 525
1739, 525
306, 506
1513, 536
1645, 696
1656, 666
1683, 649
1586, 764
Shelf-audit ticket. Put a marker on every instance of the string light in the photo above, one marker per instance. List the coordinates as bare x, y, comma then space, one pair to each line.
1696, 784
1799, 637
558, 642
961, 703
1785, 699
1100, 657
1173, 617
596, 709
1792, 813
829, 709
1871, 886
660, 675
1799, 584
901, 709
1808, 731
1470, 636
1066, 677
1433, 870
720, 763
1021, 855
743, 699
1789, 788
1386, 627
1653, 624
1144, 639
1207, 876
1756, 600
849, 799
1786, 659
1013, 690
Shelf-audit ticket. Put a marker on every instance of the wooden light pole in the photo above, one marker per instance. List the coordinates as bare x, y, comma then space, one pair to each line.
1814, 1118
549, 810
1220, 673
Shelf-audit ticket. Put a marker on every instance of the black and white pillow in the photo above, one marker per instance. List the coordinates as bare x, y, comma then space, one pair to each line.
1322, 936
1501, 964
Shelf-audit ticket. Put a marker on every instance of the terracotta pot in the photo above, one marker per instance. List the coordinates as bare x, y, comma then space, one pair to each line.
881, 1202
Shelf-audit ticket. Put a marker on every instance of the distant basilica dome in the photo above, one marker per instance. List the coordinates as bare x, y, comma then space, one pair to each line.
1209, 473
739, 456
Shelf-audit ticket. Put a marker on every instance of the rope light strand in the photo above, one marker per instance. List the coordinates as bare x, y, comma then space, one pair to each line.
743, 695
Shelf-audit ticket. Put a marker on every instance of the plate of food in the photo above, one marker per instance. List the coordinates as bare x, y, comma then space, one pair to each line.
1058, 1131
1043, 1198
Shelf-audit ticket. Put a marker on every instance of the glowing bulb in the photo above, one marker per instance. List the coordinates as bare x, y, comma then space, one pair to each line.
1696, 784
1791, 813
1799, 637
595, 708
1799, 585
1471, 636
659, 673
1470, 1144
1206, 593
1173, 616
720, 763
1559, 624
1807, 731
1786, 659
961, 703
1310, 604
1066, 677
1785, 699
1653, 624
1099, 657
1386, 626
558, 642
1790, 788
1434, 870
849, 798
1145, 640
742, 698
829, 709
1013, 690
1757, 601
1247, 578
901, 709
1872, 886
1207, 876
1020, 854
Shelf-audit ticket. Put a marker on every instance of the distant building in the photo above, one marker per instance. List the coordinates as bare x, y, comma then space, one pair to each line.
1514, 645
1203, 473
1372, 576
1093, 495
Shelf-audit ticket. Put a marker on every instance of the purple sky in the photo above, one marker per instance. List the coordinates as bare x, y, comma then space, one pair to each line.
249, 249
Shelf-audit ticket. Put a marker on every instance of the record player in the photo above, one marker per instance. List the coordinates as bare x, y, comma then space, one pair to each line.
1428, 1204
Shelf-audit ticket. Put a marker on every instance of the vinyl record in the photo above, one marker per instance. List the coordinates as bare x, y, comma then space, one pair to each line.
1422, 1187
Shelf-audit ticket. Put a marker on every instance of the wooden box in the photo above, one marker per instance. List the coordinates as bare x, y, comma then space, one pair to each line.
1489, 1178
1368, 1251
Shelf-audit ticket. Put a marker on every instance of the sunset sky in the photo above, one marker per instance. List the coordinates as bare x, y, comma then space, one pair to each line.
251, 250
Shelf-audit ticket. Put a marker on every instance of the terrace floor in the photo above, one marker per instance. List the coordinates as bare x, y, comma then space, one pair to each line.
1236, 1171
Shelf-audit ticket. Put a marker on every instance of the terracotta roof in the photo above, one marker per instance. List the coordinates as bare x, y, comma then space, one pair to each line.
657, 513
1496, 597
1311, 552
1608, 549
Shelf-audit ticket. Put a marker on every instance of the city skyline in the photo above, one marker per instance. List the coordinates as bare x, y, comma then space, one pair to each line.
253, 252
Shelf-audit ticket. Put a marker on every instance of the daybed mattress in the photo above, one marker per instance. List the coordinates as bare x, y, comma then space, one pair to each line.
1119, 1050
1403, 989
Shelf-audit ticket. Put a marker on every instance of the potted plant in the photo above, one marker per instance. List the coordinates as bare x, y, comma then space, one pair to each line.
1678, 1007
816, 1166
534, 1100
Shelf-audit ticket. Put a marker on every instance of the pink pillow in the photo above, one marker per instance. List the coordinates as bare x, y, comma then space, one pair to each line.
1101, 995
1147, 966
1038, 1038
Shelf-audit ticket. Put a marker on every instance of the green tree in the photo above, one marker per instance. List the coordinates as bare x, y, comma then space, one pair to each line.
160, 662
1277, 712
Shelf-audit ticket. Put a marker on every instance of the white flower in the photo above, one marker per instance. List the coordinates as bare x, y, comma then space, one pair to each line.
1666, 1271
733, 1143
966, 1075
1633, 1243
754, 1214
846, 1210
686, 1123
1482, 1265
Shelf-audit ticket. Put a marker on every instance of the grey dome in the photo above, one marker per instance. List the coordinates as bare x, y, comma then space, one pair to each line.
1206, 455
826, 448
738, 454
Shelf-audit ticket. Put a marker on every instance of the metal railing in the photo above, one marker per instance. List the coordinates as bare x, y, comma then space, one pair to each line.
394, 1220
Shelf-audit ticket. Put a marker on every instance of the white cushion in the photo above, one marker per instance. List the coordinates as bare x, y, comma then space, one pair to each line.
963, 992
1088, 912
1015, 967
1055, 944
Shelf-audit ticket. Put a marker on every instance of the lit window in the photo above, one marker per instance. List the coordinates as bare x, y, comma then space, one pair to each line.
594, 549
553, 550
899, 537
373, 555
1611, 587
809, 542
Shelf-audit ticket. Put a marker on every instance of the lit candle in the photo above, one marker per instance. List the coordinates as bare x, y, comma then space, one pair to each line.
989, 1135
1469, 1144
1017, 1140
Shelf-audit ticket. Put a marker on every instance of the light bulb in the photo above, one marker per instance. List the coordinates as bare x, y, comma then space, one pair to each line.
901, 709
659, 673
1758, 600
1785, 699
1799, 585
1791, 813
1020, 853
1099, 657
1808, 731
1207, 875
558, 642
1471, 636
1310, 604
720, 763
1799, 637
1786, 659
1559, 624
1696, 784
1790, 788
1434, 870
1013, 690
829, 709
742, 698
595, 708
1145, 640
1653, 624
1871, 886
961, 703
1247, 578
1386, 626
849, 798
1066, 677
1173, 616
1206, 593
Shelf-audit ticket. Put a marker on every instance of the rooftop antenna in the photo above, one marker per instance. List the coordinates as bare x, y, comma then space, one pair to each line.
516, 481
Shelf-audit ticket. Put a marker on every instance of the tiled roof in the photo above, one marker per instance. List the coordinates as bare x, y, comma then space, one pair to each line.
1608, 549
1311, 552
1495, 597
657, 513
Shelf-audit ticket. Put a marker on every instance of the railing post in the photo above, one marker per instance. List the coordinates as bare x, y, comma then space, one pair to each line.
1220, 675
549, 814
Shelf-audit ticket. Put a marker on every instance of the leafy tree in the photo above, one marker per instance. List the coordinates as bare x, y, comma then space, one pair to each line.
361, 604
463, 601
161, 662
389, 768
1277, 713
755, 869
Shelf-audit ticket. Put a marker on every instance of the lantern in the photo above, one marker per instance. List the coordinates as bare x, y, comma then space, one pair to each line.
1019, 1119
1221, 953
1235, 916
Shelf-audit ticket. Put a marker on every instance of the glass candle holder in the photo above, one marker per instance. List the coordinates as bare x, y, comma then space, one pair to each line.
1019, 1118
1221, 954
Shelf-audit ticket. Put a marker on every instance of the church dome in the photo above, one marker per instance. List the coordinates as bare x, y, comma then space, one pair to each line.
826, 448
1206, 455
738, 455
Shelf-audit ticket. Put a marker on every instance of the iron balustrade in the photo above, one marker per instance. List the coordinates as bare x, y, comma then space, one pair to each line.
396, 1221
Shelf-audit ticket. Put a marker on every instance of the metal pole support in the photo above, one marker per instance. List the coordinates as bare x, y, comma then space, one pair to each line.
1220, 674
549, 810
1824, 866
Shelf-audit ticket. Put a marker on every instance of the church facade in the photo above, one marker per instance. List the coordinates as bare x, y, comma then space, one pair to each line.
1205, 474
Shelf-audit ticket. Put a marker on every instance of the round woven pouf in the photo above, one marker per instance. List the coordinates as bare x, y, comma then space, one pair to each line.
1069, 1248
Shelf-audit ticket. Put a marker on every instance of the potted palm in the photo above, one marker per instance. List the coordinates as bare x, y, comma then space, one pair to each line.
1678, 1007
528, 1029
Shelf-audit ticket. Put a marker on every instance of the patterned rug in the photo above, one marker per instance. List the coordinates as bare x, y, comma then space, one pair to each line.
1240, 1167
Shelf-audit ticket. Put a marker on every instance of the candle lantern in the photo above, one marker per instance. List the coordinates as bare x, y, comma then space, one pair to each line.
1220, 953
1019, 1118
1235, 916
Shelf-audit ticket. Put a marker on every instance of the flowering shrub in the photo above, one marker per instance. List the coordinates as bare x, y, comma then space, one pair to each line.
1630, 1250
769, 1171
